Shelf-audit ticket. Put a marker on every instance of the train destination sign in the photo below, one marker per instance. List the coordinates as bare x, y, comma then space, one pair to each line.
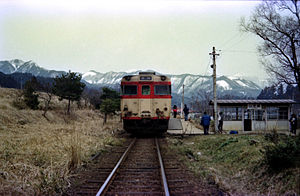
145, 78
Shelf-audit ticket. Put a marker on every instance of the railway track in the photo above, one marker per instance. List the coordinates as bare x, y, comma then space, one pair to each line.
141, 170
138, 174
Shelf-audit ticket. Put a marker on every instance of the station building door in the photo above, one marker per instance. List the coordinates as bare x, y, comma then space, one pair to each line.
247, 120
254, 120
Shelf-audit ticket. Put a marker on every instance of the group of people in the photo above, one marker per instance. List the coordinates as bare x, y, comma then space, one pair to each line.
186, 111
205, 120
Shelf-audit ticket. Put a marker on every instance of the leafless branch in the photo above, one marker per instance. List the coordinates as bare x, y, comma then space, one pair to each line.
277, 24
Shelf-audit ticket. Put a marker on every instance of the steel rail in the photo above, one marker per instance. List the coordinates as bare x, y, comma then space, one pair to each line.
162, 170
112, 174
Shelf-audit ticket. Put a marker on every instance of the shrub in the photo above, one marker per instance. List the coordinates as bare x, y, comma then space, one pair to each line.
272, 137
284, 154
19, 103
31, 100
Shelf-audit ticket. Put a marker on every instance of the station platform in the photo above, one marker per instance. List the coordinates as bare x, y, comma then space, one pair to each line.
180, 126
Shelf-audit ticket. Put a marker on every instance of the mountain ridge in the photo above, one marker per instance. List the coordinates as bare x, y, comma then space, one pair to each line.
194, 84
16, 65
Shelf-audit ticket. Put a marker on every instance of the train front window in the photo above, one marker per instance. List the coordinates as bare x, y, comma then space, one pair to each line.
162, 89
146, 90
129, 90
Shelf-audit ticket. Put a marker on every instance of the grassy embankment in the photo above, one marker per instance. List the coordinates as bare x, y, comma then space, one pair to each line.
37, 155
236, 163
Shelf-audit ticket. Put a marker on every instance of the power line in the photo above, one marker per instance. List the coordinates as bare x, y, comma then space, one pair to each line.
209, 61
239, 51
242, 38
230, 39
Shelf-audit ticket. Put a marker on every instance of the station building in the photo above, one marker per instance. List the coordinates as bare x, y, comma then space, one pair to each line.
255, 115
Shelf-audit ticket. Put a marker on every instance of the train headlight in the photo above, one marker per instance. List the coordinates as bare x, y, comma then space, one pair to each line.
163, 78
166, 109
127, 78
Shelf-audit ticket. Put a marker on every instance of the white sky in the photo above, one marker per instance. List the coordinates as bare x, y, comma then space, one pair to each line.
164, 35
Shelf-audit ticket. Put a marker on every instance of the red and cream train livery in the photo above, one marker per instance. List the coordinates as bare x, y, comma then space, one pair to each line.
146, 102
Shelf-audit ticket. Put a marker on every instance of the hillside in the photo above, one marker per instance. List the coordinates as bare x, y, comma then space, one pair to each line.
37, 155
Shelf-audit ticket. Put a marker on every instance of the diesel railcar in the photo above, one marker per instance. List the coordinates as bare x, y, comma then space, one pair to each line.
146, 102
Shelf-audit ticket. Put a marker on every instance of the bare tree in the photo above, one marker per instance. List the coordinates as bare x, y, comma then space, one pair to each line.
277, 23
204, 97
47, 99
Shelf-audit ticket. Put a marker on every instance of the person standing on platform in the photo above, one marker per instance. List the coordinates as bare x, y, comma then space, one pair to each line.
205, 122
174, 111
293, 121
220, 125
186, 112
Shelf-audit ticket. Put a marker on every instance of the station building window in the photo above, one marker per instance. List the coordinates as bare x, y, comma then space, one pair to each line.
231, 113
258, 115
272, 113
283, 113
277, 113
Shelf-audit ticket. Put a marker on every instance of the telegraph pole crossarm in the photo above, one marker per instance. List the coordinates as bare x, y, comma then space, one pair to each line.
214, 54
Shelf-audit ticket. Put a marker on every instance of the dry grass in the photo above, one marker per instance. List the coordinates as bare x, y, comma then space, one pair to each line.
235, 163
37, 155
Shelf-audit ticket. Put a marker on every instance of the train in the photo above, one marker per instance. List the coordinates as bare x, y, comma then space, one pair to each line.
146, 103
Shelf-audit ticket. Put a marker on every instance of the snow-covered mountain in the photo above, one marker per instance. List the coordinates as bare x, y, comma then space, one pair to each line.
225, 86
16, 65
109, 78
260, 80
194, 84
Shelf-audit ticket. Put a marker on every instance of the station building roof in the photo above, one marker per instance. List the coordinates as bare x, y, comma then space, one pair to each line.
254, 101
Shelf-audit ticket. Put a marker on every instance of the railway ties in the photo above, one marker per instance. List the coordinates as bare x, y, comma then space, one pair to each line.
141, 171
139, 174
88, 179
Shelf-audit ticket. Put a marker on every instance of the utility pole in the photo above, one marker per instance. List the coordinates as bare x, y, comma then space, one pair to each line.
214, 54
182, 103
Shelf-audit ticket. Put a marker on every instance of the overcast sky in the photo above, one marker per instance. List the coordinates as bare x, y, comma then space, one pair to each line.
168, 36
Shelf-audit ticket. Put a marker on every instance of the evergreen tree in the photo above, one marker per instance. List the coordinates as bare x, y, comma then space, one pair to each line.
110, 102
69, 87
108, 93
30, 95
280, 91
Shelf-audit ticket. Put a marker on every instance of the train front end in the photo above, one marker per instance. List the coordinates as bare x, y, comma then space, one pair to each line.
146, 102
